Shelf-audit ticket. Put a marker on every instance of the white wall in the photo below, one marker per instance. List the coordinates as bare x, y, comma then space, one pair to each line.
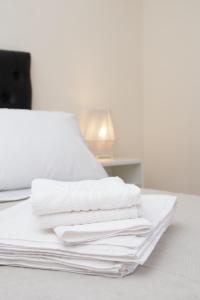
85, 54
172, 94
88, 54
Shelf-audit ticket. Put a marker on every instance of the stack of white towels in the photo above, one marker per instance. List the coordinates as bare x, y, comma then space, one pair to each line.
99, 227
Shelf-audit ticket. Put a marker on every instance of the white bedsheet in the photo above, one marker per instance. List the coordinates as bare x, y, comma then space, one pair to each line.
14, 195
22, 243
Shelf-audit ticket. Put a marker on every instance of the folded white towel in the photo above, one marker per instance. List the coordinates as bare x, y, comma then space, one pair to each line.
74, 235
86, 217
50, 196
22, 243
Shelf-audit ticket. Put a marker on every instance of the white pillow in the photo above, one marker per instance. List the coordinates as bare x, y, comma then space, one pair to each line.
38, 144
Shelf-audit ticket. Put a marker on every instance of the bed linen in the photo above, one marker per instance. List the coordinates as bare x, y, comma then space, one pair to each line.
22, 241
43, 144
14, 195
171, 272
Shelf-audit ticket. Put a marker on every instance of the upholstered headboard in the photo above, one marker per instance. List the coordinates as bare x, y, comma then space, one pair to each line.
15, 81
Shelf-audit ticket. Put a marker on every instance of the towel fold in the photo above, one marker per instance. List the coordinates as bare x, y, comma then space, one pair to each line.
86, 217
74, 235
50, 196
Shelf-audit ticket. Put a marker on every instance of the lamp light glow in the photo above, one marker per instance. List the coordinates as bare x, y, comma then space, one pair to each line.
100, 133
103, 133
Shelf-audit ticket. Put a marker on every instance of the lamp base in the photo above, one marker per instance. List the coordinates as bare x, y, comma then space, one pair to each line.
101, 149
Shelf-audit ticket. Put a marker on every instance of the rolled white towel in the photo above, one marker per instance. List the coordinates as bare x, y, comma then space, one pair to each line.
74, 235
85, 217
50, 196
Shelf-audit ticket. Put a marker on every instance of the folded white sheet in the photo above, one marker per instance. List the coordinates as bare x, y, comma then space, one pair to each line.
74, 235
14, 195
22, 243
86, 217
45, 260
94, 267
87, 267
50, 196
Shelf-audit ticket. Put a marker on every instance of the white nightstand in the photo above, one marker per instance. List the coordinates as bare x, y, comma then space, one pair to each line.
130, 170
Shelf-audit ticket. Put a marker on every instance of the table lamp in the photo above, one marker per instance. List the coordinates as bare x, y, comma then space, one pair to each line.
100, 133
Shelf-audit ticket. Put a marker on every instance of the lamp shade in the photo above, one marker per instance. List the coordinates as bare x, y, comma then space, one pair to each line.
100, 126
100, 133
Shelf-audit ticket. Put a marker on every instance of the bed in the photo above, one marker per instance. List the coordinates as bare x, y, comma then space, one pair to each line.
171, 272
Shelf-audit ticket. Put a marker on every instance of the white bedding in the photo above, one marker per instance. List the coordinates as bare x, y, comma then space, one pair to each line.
171, 272
42, 144
23, 243
14, 195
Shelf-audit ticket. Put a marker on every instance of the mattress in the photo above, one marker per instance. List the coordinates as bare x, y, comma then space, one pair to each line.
171, 272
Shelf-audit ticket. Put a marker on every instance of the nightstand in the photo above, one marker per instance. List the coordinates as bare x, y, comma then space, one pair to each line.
130, 170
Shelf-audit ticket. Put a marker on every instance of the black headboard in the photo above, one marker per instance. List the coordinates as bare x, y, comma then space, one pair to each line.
15, 81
